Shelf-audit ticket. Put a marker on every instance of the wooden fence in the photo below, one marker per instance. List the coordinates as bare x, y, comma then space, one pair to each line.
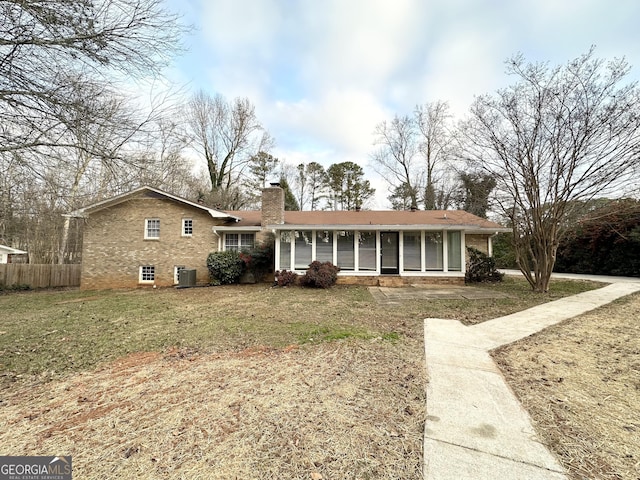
39, 276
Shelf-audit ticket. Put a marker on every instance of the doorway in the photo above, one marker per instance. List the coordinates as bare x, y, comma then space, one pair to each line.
390, 253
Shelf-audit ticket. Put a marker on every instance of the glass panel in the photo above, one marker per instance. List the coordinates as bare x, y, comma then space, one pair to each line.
389, 245
433, 250
454, 257
247, 240
412, 253
367, 251
285, 251
187, 226
303, 250
153, 228
345, 250
231, 241
324, 246
147, 273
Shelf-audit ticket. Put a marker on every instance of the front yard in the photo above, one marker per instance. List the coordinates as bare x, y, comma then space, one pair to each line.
225, 382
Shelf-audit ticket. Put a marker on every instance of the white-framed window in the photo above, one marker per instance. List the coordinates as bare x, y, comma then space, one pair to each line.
147, 274
176, 273
152, 228
187, 227
239, 241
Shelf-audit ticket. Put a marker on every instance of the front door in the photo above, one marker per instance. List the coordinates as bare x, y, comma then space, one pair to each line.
389, 252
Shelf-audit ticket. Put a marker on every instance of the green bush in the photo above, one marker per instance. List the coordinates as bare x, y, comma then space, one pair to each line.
258, 260
320, 275
225, 267
285, 278
16, 287
481, 268
504, 251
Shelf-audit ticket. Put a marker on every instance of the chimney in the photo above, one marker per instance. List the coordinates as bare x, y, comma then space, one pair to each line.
272, 205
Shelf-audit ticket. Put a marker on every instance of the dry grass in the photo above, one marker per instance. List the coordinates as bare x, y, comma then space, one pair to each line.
349, 409
228, 382
580, 381
234, 382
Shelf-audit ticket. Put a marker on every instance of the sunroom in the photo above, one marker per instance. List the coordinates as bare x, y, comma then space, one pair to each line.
372, 252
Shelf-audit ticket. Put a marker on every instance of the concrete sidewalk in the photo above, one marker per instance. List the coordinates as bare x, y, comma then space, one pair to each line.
476, 428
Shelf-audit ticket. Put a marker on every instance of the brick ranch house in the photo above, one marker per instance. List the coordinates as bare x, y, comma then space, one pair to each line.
144, 237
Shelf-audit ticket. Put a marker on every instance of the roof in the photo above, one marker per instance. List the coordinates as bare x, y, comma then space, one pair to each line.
375, 220
149, 191
11, 250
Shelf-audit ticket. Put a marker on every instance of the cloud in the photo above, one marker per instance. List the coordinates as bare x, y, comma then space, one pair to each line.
323, 74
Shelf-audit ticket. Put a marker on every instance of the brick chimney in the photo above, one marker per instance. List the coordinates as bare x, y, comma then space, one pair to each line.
272, 205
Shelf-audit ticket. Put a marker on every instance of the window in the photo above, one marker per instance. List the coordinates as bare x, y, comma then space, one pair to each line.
187, 227
433, 250
176, 273
412, 251
152, 228
303, 241
367, 251
285, 250
324, 246
345, 250
454, 251
147, 274
239, 241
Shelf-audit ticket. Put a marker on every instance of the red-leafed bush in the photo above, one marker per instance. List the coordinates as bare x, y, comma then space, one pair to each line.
284, 278
320, 275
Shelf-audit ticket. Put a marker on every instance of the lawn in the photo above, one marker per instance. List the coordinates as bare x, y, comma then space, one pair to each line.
225, 382
580, 381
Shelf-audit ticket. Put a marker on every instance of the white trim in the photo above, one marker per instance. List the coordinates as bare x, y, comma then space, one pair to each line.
176, 276
470, 229
184, 220
146, 282
444, 271
146, 228
219, 228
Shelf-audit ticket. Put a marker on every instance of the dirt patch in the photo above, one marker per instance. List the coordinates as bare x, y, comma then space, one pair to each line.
347, 409
580, 381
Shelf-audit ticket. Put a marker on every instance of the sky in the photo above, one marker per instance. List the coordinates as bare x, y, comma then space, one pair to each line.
323, 73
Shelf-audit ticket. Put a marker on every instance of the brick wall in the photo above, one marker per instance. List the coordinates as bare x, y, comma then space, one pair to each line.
479, 242
114, 247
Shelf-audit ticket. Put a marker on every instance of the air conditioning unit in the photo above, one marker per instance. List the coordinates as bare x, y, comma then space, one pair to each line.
187, 278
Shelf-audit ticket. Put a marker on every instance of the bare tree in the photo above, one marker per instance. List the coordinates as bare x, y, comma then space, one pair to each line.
397, 155
435, 145
227, 135
557, 137
414, 153
44, 44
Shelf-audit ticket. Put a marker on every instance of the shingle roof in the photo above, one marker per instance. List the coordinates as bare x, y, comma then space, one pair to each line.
372, 219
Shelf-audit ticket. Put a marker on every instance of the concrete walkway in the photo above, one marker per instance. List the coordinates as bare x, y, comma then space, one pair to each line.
476, 428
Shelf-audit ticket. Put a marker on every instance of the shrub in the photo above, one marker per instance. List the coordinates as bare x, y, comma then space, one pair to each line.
320, 275
225, 267
16, 287
285, 278
481, 268
258, 261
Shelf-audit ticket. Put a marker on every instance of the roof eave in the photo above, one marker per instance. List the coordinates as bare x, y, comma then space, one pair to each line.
86, 211
388, 227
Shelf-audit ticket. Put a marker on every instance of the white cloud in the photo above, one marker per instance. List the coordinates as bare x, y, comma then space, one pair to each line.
323, 74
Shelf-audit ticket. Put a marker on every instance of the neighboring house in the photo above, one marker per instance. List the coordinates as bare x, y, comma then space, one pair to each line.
12, 255
146, 236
